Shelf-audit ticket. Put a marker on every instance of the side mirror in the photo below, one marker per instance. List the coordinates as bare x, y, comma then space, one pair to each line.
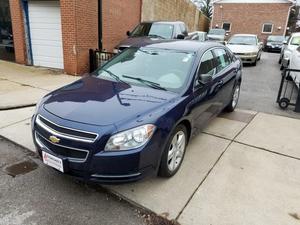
284, 42
205, 78
128, 33
180, 36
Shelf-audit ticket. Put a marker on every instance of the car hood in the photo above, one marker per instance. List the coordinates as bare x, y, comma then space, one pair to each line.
243, 48
215, 37
137, 40
96, 101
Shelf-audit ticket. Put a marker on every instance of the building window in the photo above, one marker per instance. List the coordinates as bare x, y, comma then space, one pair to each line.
267, 28
227, 27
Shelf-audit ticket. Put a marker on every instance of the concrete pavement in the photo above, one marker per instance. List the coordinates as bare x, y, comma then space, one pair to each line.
24, 86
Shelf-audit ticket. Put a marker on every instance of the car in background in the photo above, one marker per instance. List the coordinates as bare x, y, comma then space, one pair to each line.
135, 115
288, 47
197, 36
217, 34
274, 43
246, 47
145, 32
295, 64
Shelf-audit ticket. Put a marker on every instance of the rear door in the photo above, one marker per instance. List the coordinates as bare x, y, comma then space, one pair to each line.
225, 76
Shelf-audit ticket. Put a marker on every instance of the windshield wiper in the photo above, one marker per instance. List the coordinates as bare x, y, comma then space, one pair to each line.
155, 35
147, 82
117, 78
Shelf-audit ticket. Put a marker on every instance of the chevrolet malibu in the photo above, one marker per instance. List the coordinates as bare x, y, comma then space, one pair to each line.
135, 115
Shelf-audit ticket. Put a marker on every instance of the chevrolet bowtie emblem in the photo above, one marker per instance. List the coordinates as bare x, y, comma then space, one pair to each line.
54, 139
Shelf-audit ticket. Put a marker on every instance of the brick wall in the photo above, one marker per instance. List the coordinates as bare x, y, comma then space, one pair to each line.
117, 18
249, 18
183, 10
79, 33
18, 31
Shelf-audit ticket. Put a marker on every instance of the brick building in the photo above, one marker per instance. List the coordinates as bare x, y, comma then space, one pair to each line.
59, 33
261, 17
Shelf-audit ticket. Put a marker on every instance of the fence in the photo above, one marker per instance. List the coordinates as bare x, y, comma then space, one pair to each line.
98, 58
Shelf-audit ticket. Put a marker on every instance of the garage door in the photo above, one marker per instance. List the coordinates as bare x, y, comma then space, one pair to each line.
45, 33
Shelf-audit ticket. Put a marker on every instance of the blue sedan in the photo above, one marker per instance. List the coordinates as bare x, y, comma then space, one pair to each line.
135, 115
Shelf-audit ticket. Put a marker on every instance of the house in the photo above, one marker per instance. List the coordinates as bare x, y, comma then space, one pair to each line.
59, 33
261, 17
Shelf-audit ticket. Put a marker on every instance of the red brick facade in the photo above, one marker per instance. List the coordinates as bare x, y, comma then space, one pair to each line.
117, 18
79, 19
249, 17
18, 31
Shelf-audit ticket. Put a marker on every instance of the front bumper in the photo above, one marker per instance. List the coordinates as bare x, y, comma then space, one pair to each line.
273, 48
247, 59
98, 165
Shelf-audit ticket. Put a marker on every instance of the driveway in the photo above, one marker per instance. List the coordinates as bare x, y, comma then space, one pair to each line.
260, 87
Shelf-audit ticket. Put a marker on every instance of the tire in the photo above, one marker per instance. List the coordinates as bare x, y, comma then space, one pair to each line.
279, 61
234, 98
284, 103
170, 165
255, 62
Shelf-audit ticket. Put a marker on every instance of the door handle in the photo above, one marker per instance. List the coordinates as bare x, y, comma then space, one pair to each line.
220, 83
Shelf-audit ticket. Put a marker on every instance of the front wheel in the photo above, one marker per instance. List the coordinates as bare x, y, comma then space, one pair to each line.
234, 98
174, 152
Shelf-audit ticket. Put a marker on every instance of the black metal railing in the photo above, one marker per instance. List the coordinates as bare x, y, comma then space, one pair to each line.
98, 58
289, 90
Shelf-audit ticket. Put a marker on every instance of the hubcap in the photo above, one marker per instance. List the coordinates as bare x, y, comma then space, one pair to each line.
176, 150
236, 95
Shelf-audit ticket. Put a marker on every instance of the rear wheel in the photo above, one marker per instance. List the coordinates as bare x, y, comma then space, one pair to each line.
174, 152
234, 99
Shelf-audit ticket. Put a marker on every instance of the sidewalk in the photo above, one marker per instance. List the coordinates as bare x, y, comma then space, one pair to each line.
243, 168
23, 86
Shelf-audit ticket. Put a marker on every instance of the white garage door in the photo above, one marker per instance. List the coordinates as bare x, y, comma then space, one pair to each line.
45, 33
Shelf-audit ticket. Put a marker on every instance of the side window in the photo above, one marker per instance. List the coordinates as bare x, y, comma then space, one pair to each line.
207, 65
222, 59
183, 29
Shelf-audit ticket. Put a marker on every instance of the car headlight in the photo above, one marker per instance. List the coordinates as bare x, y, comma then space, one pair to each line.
130, 139
116, 51
269, 44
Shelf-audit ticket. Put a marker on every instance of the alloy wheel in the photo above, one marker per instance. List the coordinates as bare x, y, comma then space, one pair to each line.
236, 95
176, 150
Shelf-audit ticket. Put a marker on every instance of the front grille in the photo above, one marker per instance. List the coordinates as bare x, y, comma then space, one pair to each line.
73, 154
64, 132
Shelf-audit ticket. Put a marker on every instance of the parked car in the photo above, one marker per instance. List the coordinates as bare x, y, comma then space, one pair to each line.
295, 64
197, 36
217, 34
291, 44
146, 31
135, 115
246, 46
274, 43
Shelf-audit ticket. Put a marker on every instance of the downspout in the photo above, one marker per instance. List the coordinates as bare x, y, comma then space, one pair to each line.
27, 32
287, 20
100, 45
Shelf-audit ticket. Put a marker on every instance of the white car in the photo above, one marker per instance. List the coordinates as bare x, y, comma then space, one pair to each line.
295, 64
246, 47
289, 46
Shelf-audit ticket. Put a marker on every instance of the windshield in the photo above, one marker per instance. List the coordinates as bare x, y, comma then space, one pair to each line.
153, 29
166, 69
242, 40
217, 32
295, 41
276, 38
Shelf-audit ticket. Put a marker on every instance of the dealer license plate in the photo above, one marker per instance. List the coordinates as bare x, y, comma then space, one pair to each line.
53, 161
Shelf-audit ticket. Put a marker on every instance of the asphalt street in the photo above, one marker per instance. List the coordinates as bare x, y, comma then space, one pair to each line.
260, 86
43, 196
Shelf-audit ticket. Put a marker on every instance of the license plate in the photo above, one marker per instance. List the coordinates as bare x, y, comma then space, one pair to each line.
53, 161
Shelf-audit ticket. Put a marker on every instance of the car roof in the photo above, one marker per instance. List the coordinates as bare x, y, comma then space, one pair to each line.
163, 22
295, 34
180, 45
252, 35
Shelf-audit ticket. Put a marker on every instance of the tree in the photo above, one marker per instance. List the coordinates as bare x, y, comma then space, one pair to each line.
207, 8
